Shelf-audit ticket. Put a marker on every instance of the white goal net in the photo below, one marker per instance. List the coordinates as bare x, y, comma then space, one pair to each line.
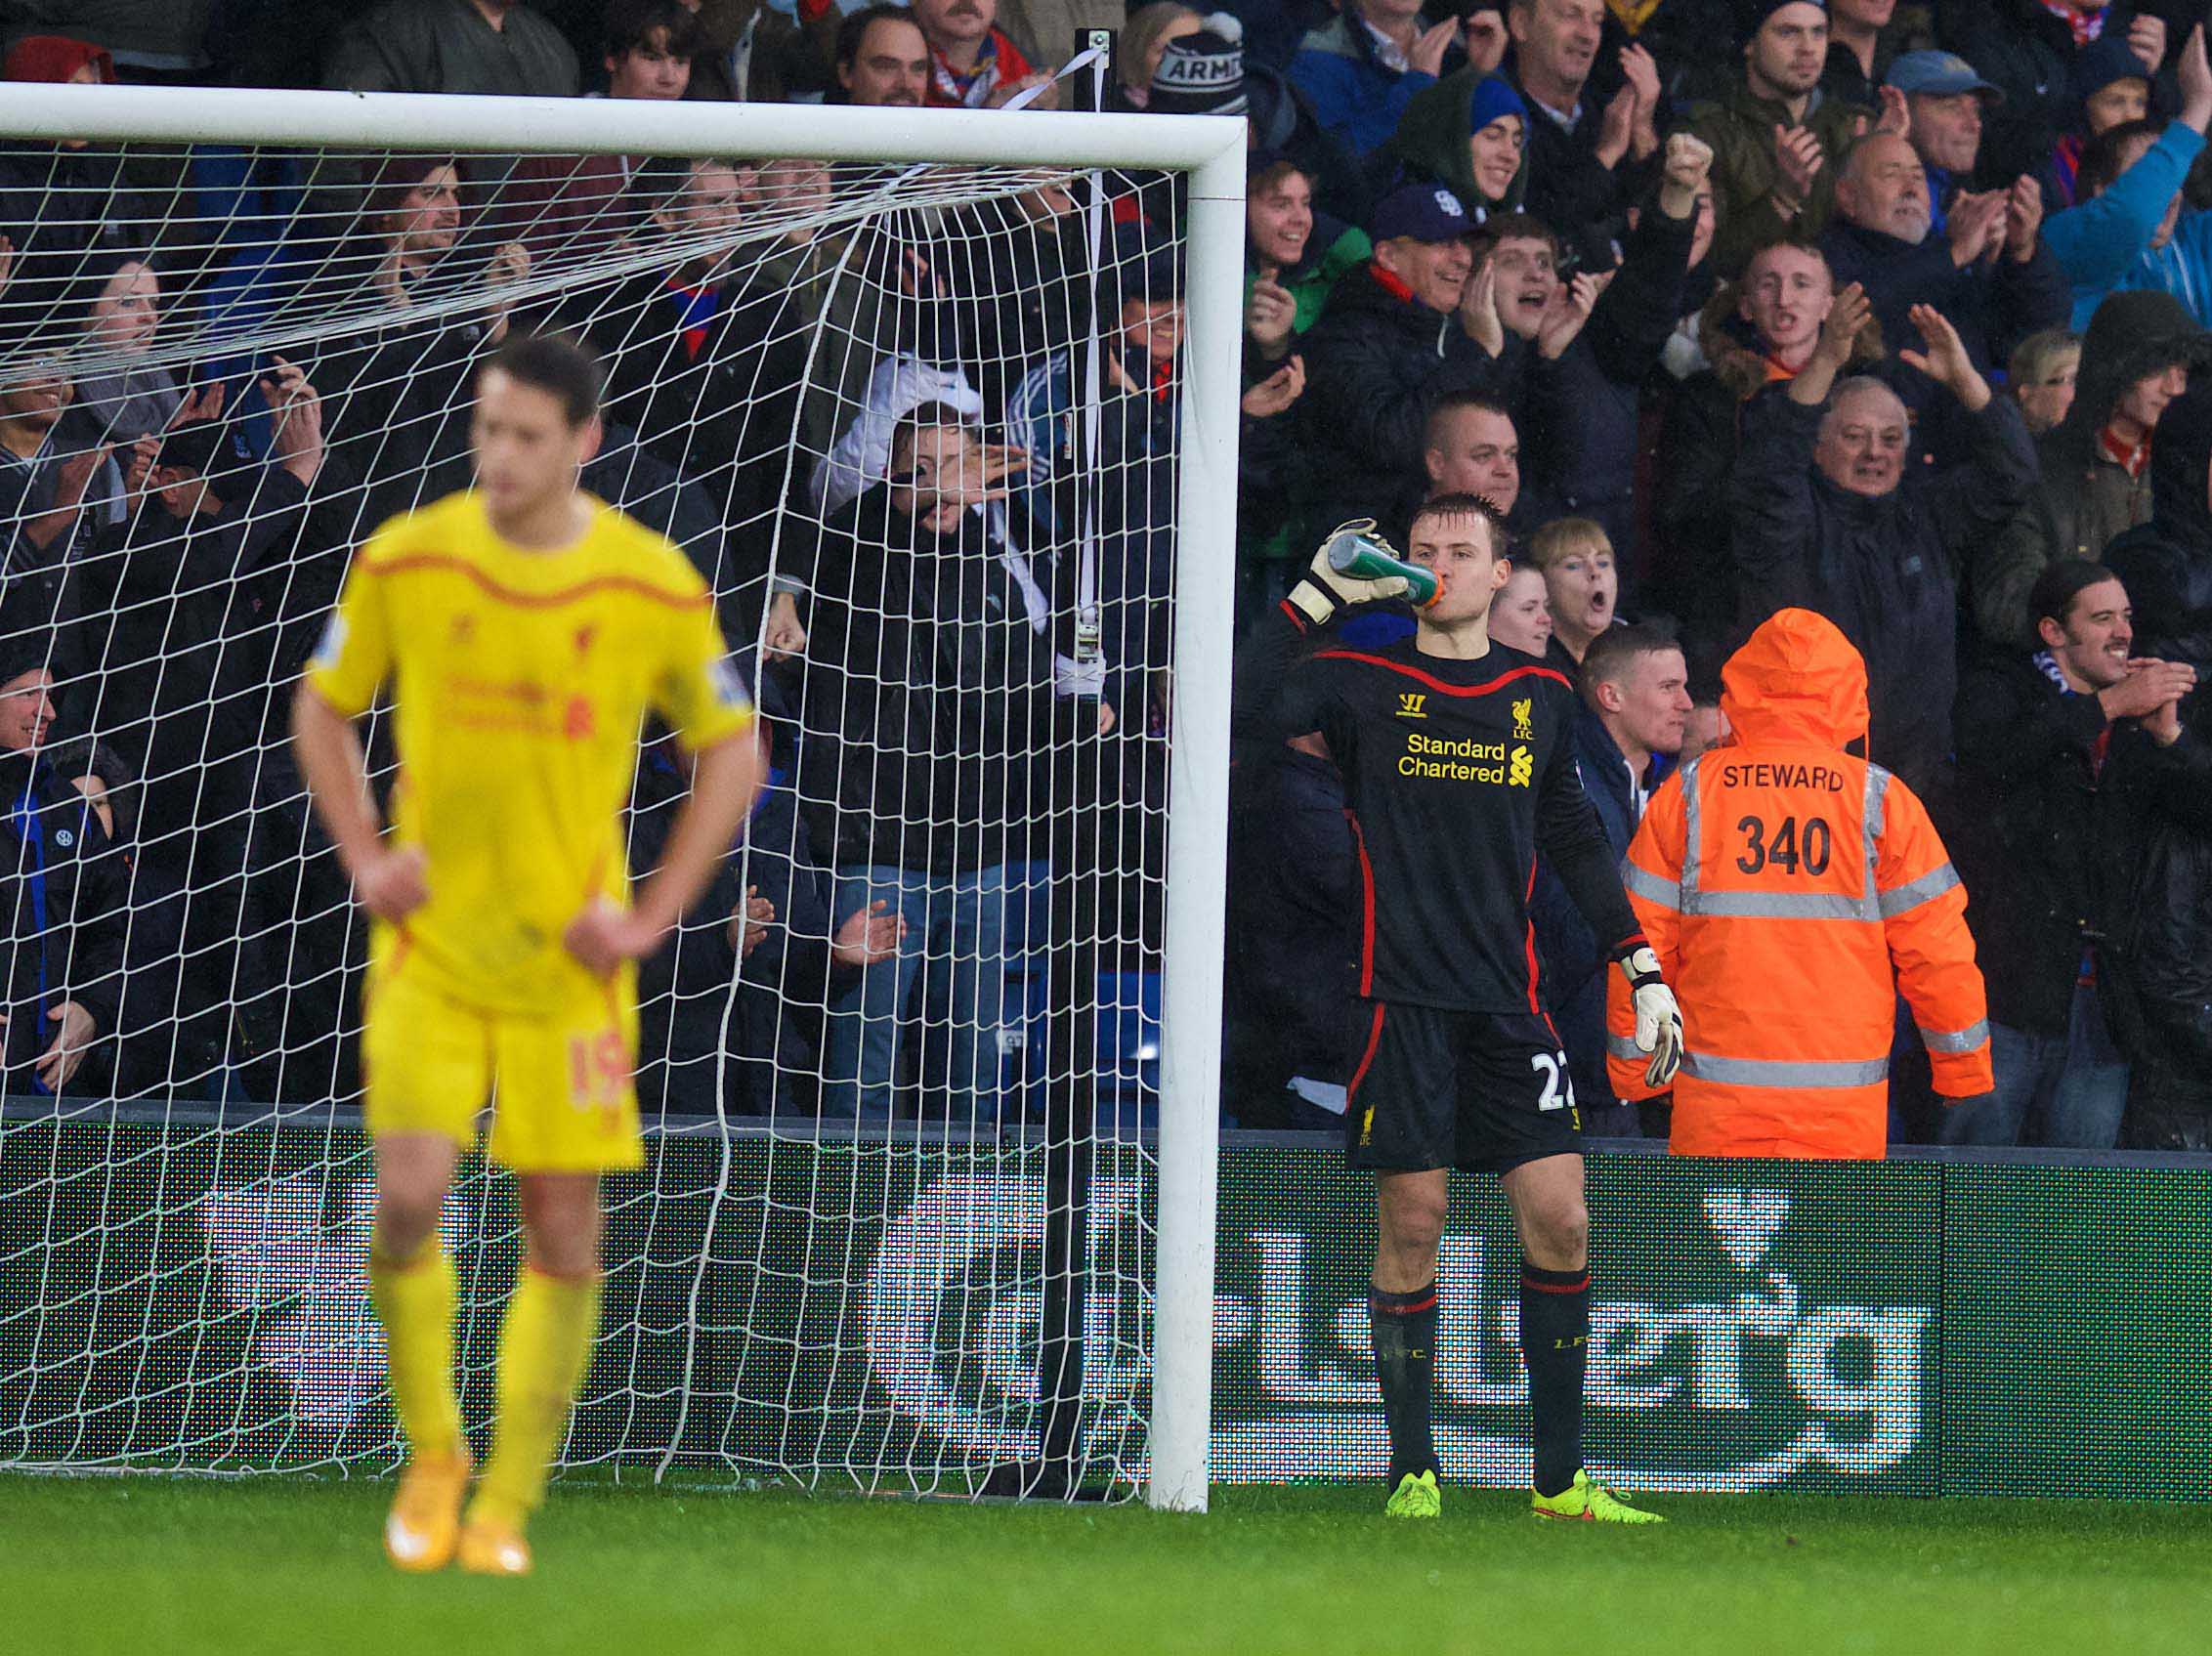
927, 426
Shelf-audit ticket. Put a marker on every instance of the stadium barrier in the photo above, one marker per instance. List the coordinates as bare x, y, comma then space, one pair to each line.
2026, 1326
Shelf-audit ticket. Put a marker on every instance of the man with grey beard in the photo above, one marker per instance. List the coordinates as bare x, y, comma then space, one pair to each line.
1989, 272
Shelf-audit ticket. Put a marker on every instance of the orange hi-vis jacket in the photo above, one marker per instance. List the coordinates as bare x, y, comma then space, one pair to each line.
1790, 891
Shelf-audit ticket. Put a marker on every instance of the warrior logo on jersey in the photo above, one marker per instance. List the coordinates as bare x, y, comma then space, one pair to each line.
1411, 705
1522, 731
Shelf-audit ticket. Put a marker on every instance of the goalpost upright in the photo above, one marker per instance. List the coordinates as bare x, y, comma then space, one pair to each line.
1210, 152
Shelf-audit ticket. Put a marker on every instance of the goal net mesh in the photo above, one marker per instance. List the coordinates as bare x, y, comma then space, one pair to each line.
916, 425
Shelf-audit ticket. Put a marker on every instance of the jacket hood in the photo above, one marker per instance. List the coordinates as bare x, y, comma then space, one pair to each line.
1797, 679
2179, 454
2132, 336
1433, 140
55, 58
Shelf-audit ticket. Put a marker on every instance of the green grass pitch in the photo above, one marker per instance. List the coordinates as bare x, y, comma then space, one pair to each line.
147, 1566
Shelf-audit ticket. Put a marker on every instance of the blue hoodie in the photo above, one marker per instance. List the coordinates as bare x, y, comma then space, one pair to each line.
2103, 244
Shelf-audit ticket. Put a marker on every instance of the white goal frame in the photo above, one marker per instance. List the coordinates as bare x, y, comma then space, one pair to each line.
1210, 152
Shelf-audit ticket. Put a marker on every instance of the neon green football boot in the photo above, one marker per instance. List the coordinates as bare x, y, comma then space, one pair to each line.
1589, 1501
1417, 1497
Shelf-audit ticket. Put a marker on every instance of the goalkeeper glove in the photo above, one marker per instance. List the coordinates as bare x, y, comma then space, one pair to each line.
1327, 591
1658, 1020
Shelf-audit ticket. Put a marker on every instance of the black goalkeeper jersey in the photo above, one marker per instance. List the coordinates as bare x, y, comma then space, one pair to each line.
1456, 774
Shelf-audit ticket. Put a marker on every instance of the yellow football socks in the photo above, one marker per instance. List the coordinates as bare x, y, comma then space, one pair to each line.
415, 1301
544, 1349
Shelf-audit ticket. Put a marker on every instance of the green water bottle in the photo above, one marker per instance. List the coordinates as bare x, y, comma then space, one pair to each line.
1353, 551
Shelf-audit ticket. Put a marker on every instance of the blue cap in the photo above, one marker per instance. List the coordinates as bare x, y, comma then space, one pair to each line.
1937, 73
1494, 100
1426, 212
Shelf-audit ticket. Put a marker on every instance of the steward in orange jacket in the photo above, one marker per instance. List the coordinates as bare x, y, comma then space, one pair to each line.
1782, 882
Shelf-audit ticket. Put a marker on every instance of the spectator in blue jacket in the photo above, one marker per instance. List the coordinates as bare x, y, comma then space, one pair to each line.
1634, 708
1360, 71
2129, 230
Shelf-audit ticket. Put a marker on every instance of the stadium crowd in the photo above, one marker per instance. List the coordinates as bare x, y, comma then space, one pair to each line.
1892, 313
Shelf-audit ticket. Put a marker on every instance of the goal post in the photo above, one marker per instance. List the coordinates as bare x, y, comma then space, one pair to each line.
1207, 156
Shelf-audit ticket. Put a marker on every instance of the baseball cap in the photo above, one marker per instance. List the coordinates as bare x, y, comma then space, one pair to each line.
1425, 212
1939, 73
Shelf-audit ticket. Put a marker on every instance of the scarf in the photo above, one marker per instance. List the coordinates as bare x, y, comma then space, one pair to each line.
2085, 26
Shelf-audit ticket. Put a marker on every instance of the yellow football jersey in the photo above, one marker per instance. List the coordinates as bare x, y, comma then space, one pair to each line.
520, 681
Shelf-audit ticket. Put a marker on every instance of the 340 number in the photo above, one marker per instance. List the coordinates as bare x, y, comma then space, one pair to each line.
1786, 845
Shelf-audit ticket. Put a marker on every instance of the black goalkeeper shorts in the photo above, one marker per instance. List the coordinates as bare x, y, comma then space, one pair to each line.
1478, 1090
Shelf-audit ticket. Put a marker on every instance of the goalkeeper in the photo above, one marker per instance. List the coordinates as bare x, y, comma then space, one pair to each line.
1459, 770
524, 628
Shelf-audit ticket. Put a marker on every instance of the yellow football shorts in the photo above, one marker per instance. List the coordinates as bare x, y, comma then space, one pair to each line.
562, 1087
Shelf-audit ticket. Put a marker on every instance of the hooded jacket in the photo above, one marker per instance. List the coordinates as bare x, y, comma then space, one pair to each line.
1375, 363
2166, 564
1432, 139
2084, 497
1883, 569
1790, 892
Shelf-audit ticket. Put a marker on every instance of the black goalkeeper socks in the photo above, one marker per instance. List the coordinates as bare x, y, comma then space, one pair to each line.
1554, 1340
1404, 1326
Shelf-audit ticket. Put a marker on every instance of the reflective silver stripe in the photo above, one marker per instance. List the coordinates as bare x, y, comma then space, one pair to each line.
1877, 788
1972, 1039
1643, 883
1688, 897
1786, 905
1914, 892
1763, 1072
1622, 1046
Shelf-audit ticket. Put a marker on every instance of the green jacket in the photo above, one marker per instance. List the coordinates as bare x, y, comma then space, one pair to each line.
1317, 272
1740, 128
1433, 137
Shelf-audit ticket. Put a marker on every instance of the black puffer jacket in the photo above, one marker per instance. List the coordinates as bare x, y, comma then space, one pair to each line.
2026, 836
1882, 570
2158, 905
1375, 366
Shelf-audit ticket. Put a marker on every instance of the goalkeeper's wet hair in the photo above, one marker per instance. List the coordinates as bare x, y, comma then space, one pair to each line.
1465, 506
555, 362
